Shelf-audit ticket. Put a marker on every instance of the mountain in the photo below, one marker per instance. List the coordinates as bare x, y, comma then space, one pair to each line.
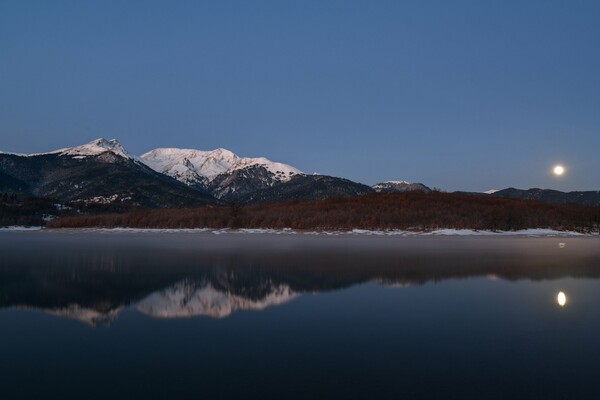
10, 184
220, 172
552, 196
103, 172
99, 172
308, 187
399, 186
227, 176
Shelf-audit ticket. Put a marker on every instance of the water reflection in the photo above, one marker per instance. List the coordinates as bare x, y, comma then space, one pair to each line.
187, 299
94, 278
182, 300
561, 299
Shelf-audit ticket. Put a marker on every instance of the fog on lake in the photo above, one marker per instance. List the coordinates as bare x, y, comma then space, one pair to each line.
265, 315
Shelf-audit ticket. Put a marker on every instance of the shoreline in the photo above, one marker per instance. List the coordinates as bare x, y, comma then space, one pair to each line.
535, 232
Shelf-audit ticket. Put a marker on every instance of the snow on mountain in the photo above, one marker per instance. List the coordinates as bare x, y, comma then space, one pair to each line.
93, 148
491, 191
399, 186
100, 172
397, 182
187, 300
198, 166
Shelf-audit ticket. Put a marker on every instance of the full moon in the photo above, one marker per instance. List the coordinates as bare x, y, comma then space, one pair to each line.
559, 170
561, 299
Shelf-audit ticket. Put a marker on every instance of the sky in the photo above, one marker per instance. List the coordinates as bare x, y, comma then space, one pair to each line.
459, 95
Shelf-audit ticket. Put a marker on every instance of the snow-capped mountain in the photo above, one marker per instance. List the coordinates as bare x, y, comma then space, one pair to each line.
186, 164
228, 176
221, 172
98, 172
399, 186
103, 172
94, 148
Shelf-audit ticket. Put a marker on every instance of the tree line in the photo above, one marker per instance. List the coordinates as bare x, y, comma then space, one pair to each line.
378, 211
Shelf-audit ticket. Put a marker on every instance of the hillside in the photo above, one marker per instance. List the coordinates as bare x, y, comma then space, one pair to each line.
552, 196
99, 172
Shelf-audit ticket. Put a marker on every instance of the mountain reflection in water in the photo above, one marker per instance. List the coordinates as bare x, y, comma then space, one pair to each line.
93, 277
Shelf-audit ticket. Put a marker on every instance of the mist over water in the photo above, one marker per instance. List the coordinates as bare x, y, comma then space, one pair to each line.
189, 315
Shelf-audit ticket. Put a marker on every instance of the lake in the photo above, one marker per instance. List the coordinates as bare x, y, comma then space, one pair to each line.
198, 315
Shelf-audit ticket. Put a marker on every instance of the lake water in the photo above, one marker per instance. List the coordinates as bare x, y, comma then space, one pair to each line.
196, 315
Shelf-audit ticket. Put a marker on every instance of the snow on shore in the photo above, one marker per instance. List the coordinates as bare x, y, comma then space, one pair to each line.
288, 231
523, 232
20, 228
470, 232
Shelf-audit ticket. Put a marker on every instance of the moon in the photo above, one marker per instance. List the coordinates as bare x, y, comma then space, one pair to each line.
558, 170
561, 299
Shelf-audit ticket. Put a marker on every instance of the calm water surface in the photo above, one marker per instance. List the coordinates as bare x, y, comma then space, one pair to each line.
197, 315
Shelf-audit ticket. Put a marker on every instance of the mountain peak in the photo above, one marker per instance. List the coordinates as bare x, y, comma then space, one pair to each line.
104, 143
223, 152
184, 164
398, 182
400, 186
95, 147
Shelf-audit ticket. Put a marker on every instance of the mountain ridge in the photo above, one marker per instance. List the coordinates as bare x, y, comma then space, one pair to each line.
220, 171
100, 172
399, 186
103, 171
551, 196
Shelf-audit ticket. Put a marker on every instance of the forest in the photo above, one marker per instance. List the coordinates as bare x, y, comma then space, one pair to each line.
413, 211
25, 210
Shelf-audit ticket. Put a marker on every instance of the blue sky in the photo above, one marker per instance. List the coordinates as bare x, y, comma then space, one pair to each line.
462, 95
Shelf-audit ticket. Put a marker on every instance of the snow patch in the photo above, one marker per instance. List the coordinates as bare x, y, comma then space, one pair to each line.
103, 199
398, 182
353, 232
20, 228
523, 232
